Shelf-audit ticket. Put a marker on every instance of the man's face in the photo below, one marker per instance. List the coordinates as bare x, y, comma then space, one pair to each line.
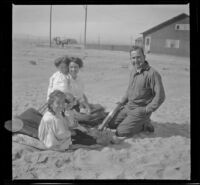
137, 59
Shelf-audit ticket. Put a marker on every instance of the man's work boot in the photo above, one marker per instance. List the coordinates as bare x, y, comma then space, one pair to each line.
148, 127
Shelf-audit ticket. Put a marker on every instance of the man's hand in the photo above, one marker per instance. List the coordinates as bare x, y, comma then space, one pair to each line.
88, 110
147, 110
121, 103
73, 133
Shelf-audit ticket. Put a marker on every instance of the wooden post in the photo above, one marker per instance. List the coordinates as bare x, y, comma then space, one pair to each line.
85, 25
50, 24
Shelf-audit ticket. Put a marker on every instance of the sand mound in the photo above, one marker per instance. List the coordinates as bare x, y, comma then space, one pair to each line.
135, 158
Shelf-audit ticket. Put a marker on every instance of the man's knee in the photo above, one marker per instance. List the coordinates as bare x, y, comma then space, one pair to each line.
129, 131
117, 119
122, 131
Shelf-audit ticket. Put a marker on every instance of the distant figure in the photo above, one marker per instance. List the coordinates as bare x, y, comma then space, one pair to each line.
57, 40
64, 42
144, 95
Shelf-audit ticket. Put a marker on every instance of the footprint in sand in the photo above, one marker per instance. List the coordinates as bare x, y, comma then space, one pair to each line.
17, 155
59, 163
43, 160
172, 173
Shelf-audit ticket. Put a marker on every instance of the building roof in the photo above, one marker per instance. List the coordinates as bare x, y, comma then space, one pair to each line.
168, 22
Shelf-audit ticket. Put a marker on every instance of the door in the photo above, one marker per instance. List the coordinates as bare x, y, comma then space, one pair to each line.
147, 44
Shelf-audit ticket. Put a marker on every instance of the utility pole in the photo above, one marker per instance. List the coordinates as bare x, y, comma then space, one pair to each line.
50, 24
85, 25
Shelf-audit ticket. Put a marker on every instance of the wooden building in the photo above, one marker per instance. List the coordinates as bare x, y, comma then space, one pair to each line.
139, 41
170, 37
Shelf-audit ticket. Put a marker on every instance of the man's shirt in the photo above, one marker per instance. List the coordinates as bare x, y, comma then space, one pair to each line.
145, 89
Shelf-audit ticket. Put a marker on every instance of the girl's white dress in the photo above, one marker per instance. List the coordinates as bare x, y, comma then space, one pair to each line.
54, 132
58, 81
65, 83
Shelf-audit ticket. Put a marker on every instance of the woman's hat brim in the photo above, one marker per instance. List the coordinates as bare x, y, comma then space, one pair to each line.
14, 125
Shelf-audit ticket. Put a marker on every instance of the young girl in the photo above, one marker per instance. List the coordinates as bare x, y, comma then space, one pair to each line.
59, 132
58, 81
54, 131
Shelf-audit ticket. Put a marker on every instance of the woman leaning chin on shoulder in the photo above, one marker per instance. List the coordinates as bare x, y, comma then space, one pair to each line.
76, 86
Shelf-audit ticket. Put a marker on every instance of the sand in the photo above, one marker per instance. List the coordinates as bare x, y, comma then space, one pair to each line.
164, 154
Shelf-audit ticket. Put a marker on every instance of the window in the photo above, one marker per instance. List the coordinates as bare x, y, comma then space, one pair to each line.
172, 43
147, 41
182, 27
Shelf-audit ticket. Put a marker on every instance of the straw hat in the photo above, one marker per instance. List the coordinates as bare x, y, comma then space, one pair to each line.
14, 125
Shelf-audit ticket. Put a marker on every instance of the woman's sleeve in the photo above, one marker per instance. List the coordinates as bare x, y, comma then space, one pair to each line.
50, 87
83, 86
83, 97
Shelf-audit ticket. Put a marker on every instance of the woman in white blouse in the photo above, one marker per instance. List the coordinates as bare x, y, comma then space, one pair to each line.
75, 84
58, 131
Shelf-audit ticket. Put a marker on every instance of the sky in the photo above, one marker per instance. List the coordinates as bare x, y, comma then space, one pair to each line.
106, 24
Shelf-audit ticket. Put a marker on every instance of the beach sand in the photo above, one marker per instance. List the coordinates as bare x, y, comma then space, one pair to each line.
164, 154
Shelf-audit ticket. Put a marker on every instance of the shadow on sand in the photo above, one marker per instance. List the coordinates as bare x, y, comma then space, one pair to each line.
167, 130
162, 130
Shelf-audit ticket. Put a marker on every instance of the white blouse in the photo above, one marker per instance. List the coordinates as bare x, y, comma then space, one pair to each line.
54, 132
76, 87
58, 81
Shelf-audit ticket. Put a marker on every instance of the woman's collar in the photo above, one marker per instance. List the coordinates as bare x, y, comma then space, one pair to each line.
70, 77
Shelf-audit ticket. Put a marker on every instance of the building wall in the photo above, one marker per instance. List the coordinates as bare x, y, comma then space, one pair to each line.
139, 42
158, 40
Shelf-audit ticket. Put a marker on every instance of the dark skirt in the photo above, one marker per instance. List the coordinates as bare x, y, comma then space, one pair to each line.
96, 117
82, 138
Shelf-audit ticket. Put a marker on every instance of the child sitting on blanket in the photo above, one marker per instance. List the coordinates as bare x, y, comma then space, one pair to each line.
60, 132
